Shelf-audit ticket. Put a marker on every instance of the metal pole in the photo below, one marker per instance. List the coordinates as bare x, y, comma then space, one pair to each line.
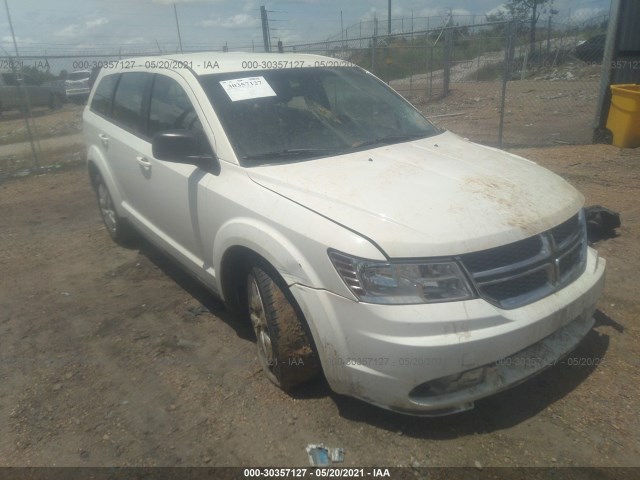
373, 44
389, 19
505, 77
175, 12
448, 48
549, 37
342, 32
604, 94
431, 73
20, 81
265, 29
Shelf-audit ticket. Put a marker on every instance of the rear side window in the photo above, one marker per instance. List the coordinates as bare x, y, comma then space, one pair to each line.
128, 100
101, 102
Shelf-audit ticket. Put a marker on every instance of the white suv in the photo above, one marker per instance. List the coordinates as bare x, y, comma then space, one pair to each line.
76, 86
417, 270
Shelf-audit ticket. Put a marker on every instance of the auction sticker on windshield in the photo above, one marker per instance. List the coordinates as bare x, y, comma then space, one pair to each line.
247, 88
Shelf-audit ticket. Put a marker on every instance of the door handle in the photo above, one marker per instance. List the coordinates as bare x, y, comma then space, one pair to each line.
104, 139
143, 161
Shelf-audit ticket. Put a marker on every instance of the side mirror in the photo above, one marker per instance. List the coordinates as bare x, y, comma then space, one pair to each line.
180, 146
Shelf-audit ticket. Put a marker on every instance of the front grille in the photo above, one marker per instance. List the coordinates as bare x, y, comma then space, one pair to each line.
525, 271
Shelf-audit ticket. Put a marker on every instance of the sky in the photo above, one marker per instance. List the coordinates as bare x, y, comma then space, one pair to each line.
99, 26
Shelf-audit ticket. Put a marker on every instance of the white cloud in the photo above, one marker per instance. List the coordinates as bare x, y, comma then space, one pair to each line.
498, 10
250, 7
8, 39
240, 20
136, 41
78, 30
369, 16
96, 22
443, 12
583, 14
68, 31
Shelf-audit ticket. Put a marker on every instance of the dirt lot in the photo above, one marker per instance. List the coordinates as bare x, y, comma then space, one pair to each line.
59, 140
112, 356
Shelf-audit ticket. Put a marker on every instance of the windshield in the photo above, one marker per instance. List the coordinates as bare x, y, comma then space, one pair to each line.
296, 114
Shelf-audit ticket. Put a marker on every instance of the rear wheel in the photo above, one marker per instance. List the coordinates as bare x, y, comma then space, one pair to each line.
285, 349
118, 227
54, 101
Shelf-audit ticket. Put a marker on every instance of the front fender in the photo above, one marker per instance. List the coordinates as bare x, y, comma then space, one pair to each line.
270, 244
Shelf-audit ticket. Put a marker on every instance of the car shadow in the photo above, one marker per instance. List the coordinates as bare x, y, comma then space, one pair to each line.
496, 412
499, 411
200, 292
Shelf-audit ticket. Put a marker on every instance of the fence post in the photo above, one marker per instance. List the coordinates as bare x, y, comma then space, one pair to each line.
25, 105
373, 54
506, 74
448, 49
430, 89
373, 45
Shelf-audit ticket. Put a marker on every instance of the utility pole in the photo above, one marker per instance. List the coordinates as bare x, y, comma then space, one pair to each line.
389, 19
265, 29
175, 12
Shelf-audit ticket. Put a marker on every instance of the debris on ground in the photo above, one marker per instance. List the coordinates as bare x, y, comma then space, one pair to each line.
601, 223
321, 456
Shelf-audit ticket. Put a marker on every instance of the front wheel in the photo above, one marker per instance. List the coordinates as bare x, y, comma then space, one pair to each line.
285, 350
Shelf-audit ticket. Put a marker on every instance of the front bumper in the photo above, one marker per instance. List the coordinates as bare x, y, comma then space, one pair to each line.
77, 92
437, 359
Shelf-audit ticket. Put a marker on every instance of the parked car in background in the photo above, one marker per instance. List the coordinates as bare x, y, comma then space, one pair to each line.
76, 86
417, 270
591, 50
12, 94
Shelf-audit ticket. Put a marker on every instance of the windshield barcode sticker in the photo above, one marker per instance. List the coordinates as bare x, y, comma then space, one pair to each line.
247, 88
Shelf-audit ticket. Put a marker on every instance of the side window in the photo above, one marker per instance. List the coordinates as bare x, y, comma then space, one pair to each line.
127, 103
101, 102
171, 108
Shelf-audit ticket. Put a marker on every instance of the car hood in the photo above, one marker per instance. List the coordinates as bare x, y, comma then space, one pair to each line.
437, 196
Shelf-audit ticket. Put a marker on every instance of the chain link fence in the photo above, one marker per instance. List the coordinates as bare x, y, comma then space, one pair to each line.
488, 81
483, 80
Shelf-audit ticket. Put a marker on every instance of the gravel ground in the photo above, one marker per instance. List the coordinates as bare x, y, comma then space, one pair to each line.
113, 356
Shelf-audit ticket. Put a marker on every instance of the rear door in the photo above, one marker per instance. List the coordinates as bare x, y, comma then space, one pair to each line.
128, 146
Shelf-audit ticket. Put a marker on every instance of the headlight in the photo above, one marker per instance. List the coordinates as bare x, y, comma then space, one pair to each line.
397, 282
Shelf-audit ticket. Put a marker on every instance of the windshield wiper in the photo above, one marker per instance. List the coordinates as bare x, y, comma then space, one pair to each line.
389, 139
292, 152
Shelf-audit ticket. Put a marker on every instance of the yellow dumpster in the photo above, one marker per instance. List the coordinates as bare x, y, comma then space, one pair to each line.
624, 115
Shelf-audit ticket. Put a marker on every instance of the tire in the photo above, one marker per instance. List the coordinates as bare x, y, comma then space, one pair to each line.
119, 229
285, 350
54, 101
